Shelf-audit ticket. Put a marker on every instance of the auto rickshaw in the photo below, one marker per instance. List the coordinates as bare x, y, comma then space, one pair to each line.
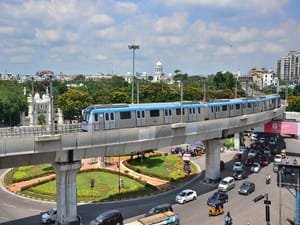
215, 209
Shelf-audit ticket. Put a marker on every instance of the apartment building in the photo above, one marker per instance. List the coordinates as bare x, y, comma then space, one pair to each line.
288, 67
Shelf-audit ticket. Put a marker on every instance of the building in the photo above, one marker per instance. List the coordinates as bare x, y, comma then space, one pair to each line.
288, 67
263, 77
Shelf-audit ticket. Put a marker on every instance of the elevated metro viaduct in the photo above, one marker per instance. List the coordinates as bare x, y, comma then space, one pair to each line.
65, 151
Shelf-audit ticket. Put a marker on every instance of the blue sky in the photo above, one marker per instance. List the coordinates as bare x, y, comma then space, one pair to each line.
195, 36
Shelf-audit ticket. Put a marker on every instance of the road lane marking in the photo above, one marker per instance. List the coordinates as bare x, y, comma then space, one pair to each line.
13, 206
3, 218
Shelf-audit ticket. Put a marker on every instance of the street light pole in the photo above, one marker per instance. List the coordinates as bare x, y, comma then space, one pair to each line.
32, 99
133, 47
51, 107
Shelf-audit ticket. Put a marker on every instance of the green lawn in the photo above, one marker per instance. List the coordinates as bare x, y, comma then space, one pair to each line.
105, 187
165, 166
28, 172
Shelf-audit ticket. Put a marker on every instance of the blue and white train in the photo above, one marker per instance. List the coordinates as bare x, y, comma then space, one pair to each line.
119, 116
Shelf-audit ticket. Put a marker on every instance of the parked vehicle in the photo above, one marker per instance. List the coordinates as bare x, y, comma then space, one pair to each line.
252, 153
277, 158
217, 197
159, 209
237, 157
185, 196
237, 166
263, 161
247, 188
49, 216
255, 168
167, 218
176, 150
226, 184
283, 154
249, 162
111, 217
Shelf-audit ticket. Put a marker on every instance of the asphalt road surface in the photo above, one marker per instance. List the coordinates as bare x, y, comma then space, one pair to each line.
15, 210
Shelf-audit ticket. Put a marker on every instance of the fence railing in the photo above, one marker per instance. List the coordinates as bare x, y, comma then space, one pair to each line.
39, 130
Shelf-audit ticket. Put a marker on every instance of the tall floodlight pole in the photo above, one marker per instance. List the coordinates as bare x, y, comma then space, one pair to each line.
133, 47
181, 100
51, 106
32, 99
235, 90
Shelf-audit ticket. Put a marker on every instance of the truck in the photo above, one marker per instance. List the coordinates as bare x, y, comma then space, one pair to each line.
165, 218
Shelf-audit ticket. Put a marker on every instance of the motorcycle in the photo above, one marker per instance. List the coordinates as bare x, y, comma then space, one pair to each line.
268, 179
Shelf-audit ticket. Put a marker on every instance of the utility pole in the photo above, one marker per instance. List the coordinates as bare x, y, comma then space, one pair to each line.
133, 48
267, 203
181, 99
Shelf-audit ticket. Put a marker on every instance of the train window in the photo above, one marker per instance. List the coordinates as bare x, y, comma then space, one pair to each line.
125, 115
178, 111
224, 107
212, 109
143, 114
237, 106
96, 117
166, 113
138, 114
170, 112
154, 113
199, 110
194, 111
106, 116
112, 115
249, 105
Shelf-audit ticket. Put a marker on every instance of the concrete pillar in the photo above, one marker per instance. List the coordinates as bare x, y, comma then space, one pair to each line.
212, 160
66, 191
236, 140
101, 161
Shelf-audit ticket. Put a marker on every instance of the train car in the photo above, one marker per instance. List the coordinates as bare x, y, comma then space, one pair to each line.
119, 116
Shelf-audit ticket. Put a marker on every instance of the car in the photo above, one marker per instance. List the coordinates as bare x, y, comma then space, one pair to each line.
237, 166
226, 184
252, 153
237, 157
159, 209
263, 161
186, 196
239, 175
262, 140
49, 216
246, 188
176, 150
111, 217
277, 158
217, 197
249, 162
255, 167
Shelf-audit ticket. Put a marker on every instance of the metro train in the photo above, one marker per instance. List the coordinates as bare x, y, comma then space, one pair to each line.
120, 116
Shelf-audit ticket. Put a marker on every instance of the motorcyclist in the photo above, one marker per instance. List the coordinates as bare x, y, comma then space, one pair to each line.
268, 178
228, 219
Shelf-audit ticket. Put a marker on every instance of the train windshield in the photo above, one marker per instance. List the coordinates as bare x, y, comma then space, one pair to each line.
86, 114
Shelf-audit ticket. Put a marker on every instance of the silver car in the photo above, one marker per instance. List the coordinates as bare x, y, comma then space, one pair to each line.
185, 196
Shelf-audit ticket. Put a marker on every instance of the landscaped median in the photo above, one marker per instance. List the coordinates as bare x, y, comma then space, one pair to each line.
100, 184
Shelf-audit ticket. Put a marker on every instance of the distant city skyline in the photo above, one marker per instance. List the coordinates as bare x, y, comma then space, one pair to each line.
196, 36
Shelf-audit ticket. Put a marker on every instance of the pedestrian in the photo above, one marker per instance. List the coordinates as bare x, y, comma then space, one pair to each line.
228, 219
295, 161
287, 161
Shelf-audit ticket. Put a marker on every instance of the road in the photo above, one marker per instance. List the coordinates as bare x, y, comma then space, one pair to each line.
16, 211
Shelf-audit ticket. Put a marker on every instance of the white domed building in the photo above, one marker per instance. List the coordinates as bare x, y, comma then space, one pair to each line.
158, 75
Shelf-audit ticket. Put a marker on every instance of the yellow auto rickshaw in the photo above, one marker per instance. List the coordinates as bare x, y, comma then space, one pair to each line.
215, 209
283, 153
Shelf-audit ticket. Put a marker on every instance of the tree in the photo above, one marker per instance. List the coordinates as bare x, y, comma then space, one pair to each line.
12, 102
293, 104
72, 102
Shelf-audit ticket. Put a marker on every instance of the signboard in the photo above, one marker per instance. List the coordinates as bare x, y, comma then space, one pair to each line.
281, 127
288, 175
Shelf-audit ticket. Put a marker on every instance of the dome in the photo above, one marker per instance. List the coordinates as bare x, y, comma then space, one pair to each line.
158, 63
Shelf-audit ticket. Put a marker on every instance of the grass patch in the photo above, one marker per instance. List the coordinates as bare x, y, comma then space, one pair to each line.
24, 173
106, 187
168, 167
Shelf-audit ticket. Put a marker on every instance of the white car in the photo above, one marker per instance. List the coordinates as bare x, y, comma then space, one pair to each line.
255, 167
252, 154
237, 166
226, 184
185, 196
277, 158
49, 216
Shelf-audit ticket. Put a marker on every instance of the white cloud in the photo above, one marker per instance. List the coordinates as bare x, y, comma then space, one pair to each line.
20, 59
107, 33
6, 30
126, 8
45, 36
101, 19
169, 40
100, 57
172, 24
272, 48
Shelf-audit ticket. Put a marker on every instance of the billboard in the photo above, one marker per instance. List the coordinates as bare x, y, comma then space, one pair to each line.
281, 127
288, 175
